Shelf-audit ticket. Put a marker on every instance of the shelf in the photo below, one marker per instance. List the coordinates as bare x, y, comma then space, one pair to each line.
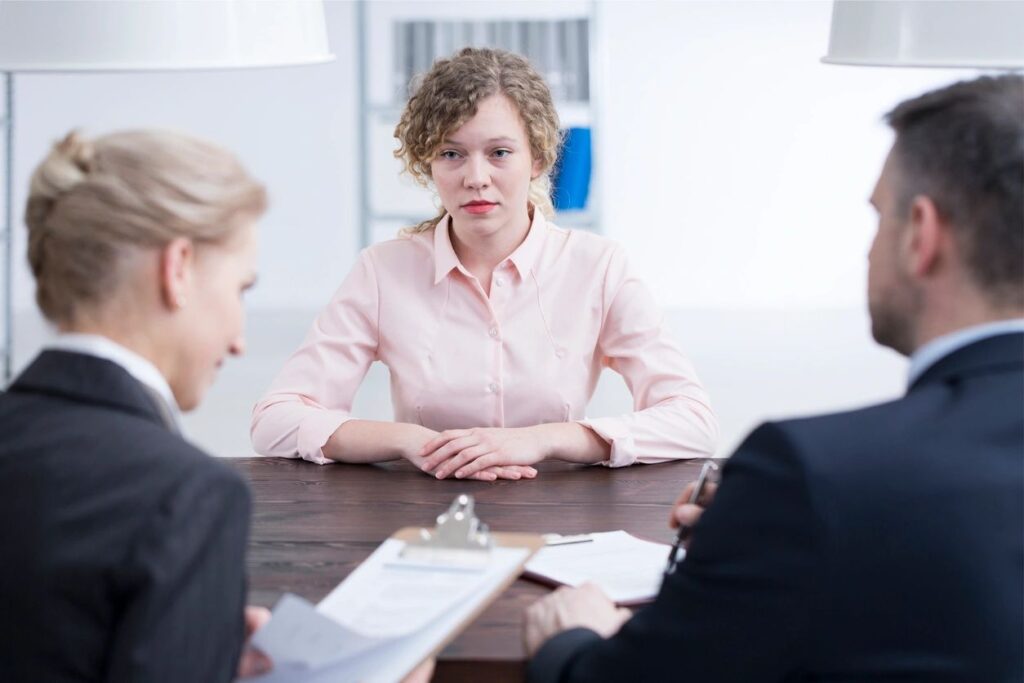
575, 219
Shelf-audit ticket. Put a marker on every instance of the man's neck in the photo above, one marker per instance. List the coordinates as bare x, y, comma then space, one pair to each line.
933, 327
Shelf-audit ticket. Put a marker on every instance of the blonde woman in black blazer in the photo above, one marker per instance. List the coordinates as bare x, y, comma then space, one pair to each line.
123, 544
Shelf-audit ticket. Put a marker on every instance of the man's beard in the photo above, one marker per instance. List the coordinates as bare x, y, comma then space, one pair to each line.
894, 319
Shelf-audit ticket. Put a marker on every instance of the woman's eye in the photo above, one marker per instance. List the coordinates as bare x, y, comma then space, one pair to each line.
449, 154
502, 153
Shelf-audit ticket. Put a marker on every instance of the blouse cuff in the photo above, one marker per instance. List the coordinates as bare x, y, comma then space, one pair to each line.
623, 451
314, 432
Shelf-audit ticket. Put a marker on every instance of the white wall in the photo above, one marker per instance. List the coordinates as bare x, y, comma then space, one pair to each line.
733, 165
294, 128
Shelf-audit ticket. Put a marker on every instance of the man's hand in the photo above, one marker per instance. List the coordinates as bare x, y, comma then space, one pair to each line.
566, 608
686, 513
465, 453
254, 662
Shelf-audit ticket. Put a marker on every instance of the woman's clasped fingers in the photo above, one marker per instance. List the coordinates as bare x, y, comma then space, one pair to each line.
524, 471
461, 463
441, 439
491, 474
470, 452
457, 444
512, 472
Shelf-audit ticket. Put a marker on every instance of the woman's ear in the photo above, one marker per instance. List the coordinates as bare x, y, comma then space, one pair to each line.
538, 168
177, 261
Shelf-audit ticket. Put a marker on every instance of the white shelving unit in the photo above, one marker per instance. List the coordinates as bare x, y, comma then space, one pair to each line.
398, 40
7, 237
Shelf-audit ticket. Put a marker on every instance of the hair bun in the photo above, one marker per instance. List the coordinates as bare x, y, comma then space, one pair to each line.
78, 150
69, 163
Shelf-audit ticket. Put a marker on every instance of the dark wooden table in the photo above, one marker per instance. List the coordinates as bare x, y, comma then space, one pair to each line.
312, 525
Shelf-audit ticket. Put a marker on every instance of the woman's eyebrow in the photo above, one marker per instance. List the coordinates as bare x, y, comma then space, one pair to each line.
502, 139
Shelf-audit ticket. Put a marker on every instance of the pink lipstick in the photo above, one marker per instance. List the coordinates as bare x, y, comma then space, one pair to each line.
478, 207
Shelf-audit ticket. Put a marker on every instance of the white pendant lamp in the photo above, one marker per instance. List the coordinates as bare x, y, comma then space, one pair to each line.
981, 34
146, 35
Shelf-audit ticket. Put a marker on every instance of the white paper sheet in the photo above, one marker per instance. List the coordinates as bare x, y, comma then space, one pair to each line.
627, 569
380, 622
386, 597
300, 635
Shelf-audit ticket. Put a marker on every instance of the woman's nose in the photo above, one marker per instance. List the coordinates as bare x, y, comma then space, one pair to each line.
477, 173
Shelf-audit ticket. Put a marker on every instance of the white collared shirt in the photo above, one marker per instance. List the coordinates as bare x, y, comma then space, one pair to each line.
940, 347
135, 365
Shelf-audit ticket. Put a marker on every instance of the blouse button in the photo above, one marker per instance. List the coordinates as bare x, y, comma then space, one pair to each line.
500, 281
560, 353
493, 332
492, 387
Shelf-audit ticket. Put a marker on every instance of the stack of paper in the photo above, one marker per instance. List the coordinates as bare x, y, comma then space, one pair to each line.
628, 569
383, 620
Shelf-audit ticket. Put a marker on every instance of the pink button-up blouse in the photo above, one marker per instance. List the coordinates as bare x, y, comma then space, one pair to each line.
562, 306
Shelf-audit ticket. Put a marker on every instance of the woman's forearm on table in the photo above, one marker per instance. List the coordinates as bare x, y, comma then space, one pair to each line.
362, 441
573, 442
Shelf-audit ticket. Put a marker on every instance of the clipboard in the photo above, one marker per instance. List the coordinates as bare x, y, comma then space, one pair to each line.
339, 639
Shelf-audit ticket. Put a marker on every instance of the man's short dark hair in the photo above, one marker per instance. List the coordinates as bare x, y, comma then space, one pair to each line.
963, 147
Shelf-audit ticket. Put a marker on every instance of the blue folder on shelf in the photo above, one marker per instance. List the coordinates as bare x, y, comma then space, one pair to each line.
572, 174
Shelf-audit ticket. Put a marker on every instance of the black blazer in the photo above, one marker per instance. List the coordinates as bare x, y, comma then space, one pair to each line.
123, 546
883, 544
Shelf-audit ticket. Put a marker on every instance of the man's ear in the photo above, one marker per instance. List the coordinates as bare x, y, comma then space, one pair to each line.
177, 259
926, 238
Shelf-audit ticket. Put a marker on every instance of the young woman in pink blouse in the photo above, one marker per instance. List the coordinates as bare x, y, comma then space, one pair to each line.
493, 323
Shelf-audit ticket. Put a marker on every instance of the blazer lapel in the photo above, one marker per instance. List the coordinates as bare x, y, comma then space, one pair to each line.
88, 379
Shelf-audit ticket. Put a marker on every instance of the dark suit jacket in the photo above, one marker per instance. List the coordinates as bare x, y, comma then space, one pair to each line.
884, 544
123, 546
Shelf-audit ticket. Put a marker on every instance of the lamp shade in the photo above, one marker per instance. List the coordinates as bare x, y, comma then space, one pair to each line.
105, 35
945, 33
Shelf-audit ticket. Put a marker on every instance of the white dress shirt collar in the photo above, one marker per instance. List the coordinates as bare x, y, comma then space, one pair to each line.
135, 365
940, 347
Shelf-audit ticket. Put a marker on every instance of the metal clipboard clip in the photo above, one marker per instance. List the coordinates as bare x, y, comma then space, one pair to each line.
459, 540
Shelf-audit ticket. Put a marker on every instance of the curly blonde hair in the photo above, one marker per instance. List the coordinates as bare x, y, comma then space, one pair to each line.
448, 96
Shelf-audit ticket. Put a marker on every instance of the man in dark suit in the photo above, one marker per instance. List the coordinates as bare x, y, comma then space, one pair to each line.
123, 545
885, 543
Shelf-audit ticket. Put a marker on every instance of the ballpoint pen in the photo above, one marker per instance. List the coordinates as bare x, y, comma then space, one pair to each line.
558, 539
684, 529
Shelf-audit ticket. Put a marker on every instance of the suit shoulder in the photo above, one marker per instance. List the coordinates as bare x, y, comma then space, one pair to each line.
166, 460
827, 424
854, 447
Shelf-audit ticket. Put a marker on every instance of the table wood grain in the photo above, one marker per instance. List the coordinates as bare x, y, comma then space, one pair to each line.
312, 525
